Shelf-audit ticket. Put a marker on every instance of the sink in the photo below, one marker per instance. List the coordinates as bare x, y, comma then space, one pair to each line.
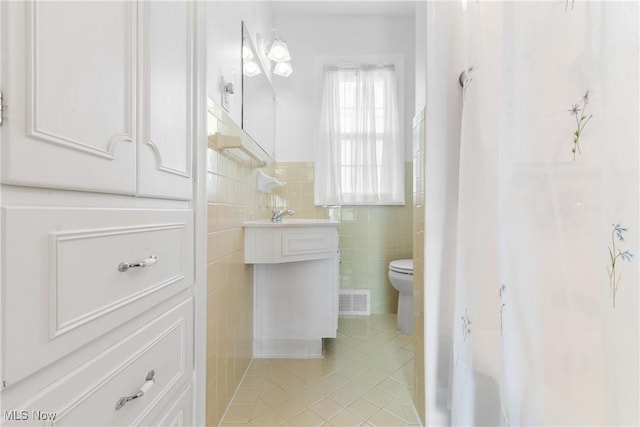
293, 222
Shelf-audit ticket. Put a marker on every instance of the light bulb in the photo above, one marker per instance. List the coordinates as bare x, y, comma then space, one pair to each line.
279, 52
283, 69
247, 54
250, 69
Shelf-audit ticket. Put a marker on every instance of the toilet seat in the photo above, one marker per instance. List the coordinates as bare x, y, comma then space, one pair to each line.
403, 266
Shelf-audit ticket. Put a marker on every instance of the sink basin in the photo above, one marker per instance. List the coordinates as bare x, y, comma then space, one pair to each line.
293, 222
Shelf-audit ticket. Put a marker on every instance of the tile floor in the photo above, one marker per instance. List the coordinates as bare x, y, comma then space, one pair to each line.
365, 379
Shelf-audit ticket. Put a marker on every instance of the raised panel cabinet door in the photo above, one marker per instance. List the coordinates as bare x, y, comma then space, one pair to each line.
166, 99
69, 89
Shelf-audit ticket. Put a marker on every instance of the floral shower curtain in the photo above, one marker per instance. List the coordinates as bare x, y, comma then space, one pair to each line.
547, 300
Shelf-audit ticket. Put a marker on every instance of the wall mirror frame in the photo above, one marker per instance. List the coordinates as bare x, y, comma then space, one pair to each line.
258, 96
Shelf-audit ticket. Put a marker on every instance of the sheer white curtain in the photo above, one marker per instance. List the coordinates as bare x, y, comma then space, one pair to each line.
359, 152
547, 288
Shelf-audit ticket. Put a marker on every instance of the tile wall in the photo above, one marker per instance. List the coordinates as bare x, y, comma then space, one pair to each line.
232, 199
419, 155
370, 236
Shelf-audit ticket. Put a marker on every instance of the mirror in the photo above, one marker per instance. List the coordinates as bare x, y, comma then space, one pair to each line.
258, 97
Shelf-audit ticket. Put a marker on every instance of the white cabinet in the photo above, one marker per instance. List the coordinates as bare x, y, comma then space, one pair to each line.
63, 285
99, 96
89, 394
295, 286
166, 99
98, 290
69, 86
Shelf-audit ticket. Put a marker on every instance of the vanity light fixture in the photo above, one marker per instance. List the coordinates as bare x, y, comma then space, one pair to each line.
283, 69
279, 52
250, 68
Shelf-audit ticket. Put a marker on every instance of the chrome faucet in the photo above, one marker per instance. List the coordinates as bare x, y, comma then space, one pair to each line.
278, 214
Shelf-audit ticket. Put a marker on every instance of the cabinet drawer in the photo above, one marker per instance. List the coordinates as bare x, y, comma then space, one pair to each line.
281, 243
88, 395
64, 285
307, 243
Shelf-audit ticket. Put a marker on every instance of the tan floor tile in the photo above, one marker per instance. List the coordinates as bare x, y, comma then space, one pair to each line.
269, 418
345, 418
252, 382
238, 414
343, 376
279, 392
344, 396
313, 394
260, 408
291, 407
383, 418
403, 377
394, 387
274, 395
326, 408
373, 377
288, 382
363, 408
245, 396
358, 387
308, 418
396, 408
401, 356
311, 376
268, 385
259, 367
384, 367
326, 385
378, 396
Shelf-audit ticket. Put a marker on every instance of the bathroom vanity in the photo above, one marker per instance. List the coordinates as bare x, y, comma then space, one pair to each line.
295, 286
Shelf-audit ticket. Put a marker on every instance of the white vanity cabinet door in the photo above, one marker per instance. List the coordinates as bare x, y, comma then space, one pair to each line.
166, 99
69, 90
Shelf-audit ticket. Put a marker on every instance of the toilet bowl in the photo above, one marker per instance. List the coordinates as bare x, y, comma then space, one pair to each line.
401, 277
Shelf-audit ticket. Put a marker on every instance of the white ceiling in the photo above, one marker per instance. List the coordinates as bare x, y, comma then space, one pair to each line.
341, 7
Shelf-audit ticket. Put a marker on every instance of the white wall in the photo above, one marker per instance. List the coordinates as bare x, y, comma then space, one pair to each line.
420, 43
224, 39
444, 64
308, 37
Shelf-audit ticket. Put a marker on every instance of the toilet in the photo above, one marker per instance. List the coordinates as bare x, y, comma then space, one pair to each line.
401, 277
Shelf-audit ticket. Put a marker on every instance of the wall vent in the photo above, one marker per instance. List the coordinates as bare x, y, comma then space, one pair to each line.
354, 302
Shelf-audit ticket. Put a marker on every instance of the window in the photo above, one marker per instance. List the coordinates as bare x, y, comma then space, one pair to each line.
360, 156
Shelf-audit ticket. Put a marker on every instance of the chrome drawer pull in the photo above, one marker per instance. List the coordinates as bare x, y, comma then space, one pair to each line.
147, 262
150, 381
